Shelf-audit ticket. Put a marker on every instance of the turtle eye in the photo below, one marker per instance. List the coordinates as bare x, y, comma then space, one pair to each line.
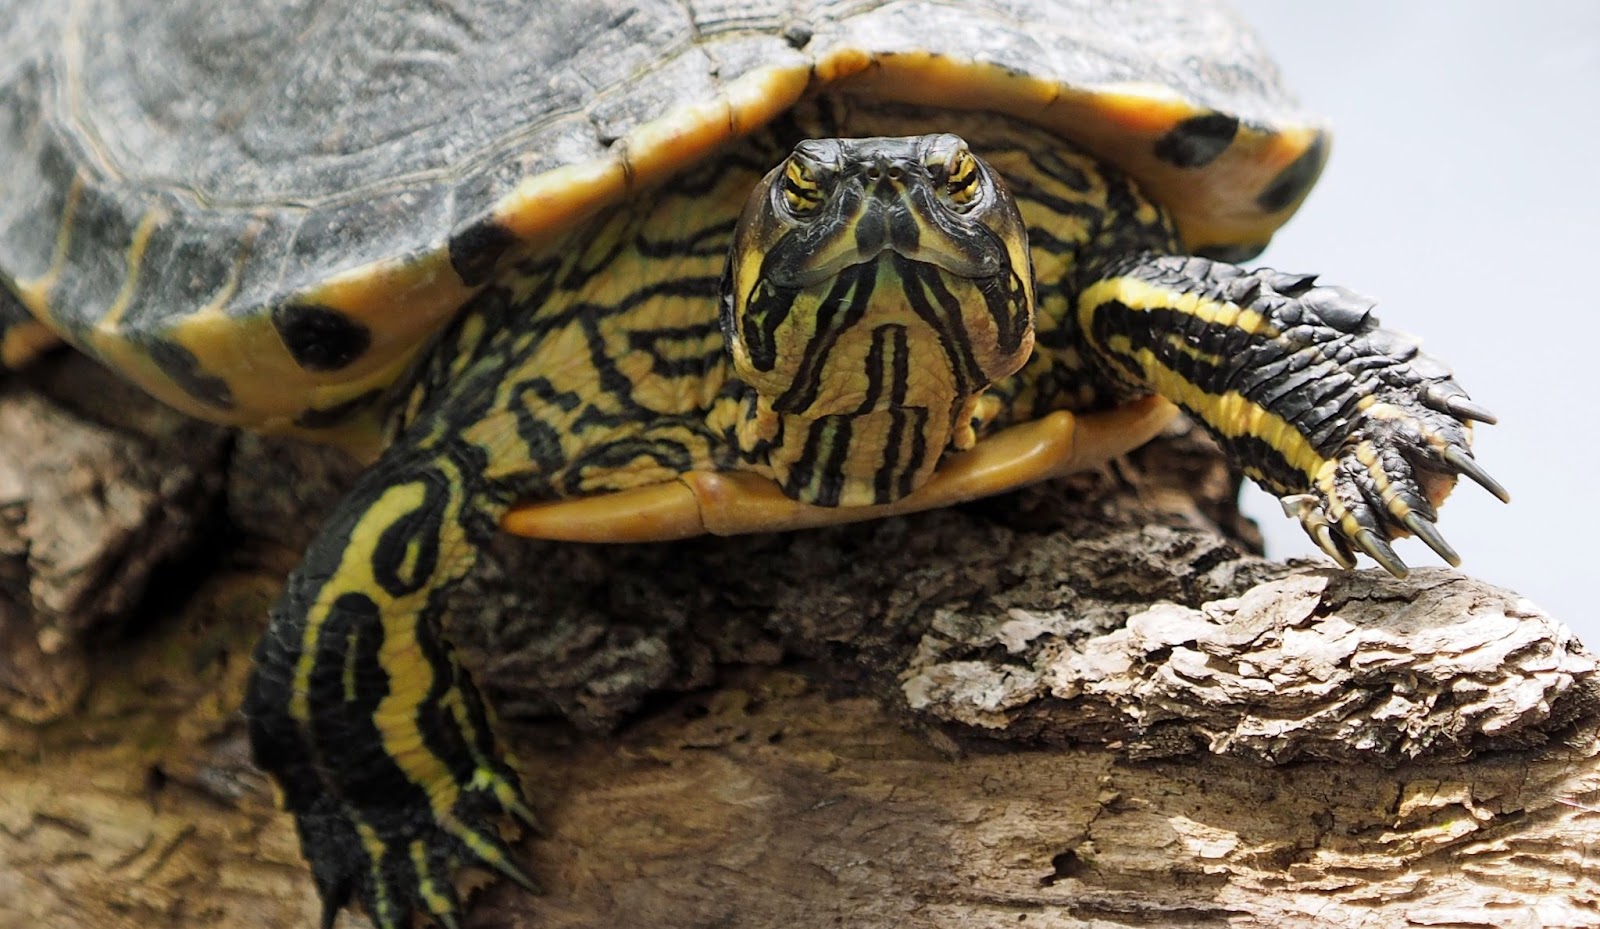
802, 192
962, 178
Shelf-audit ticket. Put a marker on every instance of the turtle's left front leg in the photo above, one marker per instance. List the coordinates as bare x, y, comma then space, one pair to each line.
1358, 432
358, 708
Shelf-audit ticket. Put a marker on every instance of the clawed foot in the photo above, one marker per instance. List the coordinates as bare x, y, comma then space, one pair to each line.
1390, 476
400, 858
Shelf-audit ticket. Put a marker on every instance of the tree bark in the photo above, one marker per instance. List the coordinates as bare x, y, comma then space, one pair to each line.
1084, 705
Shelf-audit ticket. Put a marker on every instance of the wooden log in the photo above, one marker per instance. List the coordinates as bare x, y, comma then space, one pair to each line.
1086, 705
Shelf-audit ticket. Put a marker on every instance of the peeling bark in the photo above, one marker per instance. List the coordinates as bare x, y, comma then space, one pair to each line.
1085, 705
89, 513
1318, 664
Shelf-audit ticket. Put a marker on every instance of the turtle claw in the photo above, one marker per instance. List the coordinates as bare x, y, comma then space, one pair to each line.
1323, 536
1468, 467
1381, 552
1314, 520
1446, 397
492, 853
1384, 482
398, 859
1463, 408
511, 801
1425, 530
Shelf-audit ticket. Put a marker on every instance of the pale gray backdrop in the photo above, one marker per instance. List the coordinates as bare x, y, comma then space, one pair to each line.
1462, 191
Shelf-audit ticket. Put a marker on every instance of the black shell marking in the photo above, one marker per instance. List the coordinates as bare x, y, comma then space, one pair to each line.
320, 339
1198, 140
476, 250
1290, 185
183, 367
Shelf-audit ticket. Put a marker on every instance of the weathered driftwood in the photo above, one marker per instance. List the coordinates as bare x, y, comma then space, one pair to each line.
1080, 706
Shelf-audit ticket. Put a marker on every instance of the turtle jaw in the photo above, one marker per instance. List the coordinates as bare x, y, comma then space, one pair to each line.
876, 288
883, 385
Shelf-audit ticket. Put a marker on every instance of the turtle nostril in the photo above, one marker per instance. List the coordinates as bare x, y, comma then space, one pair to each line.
894, 172
874, 172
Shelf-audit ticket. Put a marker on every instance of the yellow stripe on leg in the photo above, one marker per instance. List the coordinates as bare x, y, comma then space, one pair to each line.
1142, 296
411, 676
1231, 414
382, 907
436, 900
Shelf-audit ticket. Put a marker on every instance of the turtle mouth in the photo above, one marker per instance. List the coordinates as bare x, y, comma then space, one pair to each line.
834, 265
830, 266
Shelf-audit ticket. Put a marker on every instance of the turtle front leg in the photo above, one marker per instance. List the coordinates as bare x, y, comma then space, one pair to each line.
22, 338
358, 708
1358, 432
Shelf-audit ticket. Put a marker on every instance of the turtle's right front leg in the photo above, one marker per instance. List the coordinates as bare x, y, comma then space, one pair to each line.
358, 708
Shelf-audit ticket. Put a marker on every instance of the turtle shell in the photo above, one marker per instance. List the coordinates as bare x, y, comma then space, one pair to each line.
260, 213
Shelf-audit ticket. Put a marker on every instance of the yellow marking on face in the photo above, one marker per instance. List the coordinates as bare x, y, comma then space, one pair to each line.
800, 189
962, 183
35, 292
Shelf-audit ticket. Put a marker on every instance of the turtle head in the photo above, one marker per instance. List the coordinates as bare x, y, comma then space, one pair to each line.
875, 288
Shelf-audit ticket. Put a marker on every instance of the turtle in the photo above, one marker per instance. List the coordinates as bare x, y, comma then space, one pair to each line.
620, 271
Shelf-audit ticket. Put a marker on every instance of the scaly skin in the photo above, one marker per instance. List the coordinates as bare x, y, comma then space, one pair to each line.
375, 734
600, 365
1359, 432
